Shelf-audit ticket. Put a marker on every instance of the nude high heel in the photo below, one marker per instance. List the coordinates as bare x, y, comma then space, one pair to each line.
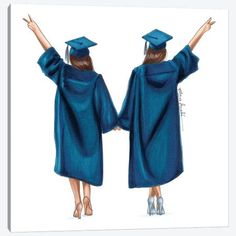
88, 211
78, 210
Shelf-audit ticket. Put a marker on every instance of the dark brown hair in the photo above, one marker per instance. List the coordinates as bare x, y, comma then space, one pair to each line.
154, 56
83, 63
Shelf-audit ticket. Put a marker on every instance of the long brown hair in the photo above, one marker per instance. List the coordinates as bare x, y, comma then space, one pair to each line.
83, 63
154, 56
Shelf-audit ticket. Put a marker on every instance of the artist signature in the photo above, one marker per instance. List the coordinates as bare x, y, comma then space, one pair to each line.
181, 106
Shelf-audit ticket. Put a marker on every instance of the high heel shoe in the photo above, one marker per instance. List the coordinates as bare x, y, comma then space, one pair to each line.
78, 210
160, 209
151, 206
88, 211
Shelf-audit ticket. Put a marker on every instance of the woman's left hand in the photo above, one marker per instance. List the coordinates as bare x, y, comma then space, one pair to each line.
38, 33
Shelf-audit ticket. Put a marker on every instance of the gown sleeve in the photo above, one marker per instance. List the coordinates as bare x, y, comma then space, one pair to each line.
186, 62
105, 109
125, 115
51, 64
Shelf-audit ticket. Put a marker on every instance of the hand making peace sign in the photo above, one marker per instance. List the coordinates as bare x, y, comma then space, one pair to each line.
31, 24
207, 25
38, 33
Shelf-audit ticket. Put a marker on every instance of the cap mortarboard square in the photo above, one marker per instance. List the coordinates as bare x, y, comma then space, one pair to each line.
157, 39
79, 46
81, 43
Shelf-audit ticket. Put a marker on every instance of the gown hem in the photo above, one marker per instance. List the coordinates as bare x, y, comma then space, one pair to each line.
155, 184
76, 177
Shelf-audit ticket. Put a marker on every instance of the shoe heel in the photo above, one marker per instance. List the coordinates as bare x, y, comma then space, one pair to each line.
162, 211
78, 210
160, 208
151, 206
88, 211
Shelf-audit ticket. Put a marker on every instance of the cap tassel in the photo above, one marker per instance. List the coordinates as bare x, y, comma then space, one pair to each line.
145, 48
67, 54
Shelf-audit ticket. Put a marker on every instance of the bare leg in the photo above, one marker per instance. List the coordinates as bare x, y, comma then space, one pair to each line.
75, 186
157, 190
87, 190
86, 201
152, 192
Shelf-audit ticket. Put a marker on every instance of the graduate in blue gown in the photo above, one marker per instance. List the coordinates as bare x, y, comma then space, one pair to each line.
83, 111
150, 112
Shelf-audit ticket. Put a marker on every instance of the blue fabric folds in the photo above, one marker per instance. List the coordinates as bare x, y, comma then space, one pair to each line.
83, 111
150, 112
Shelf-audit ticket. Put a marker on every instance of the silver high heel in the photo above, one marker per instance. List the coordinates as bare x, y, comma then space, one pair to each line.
160, 209
151, 206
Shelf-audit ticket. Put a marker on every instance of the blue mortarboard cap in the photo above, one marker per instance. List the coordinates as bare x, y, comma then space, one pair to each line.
157, 39
79, 47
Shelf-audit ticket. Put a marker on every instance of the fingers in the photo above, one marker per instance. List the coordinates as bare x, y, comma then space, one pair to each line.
26, 20
30, 27
209, 20
30, 18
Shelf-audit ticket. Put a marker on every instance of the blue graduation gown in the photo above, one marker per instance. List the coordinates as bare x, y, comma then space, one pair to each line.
83, 111
150, 112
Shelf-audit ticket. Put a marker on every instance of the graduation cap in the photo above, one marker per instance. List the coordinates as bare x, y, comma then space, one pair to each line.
157, 39
79, 47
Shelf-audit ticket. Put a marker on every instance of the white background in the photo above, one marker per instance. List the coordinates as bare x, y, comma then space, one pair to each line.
42, 200
4, 121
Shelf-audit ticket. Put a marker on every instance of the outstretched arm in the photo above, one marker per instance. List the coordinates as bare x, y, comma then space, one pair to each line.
38, 33
204, 28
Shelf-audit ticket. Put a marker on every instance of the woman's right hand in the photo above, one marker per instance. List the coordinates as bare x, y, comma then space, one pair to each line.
32, 24
203, 29
207, 25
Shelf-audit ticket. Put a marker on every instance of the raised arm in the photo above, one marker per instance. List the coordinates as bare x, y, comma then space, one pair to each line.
38, 33
204, 28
